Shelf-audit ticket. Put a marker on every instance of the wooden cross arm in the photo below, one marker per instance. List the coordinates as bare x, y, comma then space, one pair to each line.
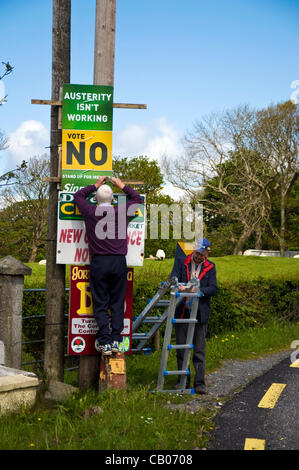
115, 105
57, 179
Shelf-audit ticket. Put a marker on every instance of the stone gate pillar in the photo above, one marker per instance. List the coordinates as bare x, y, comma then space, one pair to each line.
12, 274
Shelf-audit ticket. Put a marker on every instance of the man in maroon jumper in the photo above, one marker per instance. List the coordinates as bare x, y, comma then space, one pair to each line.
106, 230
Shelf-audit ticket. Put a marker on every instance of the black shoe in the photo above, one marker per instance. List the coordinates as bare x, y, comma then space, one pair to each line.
200, 390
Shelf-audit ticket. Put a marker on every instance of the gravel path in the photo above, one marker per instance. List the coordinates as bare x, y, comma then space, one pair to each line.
231, 378
235, 374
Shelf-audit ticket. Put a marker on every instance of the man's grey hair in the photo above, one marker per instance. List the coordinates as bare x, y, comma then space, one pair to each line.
104, 194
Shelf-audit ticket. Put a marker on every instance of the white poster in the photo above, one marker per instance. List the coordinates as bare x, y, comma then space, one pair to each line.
72, 246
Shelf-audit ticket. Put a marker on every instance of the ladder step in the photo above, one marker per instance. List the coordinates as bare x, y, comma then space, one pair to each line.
160, 303
191, 391
184, 320
176, 372
152, 320
163, 303
188, 294
145, 350
180, 346
139, 335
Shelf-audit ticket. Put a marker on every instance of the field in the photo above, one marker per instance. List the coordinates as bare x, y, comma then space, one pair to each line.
134, 419
230, 269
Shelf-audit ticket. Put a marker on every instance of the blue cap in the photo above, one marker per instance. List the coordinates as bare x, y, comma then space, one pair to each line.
201, 245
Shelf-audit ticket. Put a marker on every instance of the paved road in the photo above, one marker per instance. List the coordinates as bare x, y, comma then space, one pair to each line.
265, 415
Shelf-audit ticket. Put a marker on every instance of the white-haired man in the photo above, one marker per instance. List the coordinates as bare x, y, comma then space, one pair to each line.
104, 194
106, 230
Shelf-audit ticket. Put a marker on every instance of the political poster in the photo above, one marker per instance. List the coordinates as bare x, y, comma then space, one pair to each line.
82, 324
72, 245
87, 118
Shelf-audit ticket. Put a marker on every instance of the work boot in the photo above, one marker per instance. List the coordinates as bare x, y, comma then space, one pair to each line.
106, 350
115, 347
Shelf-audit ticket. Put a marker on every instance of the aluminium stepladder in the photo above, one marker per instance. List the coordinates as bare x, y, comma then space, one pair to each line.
144, 316
175, 298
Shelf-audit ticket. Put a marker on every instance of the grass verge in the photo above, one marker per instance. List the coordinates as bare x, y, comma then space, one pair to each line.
135, 419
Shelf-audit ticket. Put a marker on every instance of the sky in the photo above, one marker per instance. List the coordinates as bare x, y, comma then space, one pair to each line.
184, 60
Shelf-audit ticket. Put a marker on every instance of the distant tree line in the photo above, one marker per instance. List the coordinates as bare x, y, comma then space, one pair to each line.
241, 165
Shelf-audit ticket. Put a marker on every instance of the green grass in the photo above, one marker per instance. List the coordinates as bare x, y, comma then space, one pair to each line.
244, 344
134, 418
230, 269
129, 421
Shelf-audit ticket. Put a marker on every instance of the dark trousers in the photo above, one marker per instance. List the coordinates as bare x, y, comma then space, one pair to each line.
199, 352
108, 283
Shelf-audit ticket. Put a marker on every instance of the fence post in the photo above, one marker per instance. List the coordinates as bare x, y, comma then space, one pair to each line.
2, 354
12, 274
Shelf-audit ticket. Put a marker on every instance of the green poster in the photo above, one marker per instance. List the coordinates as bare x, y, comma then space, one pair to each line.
73, 180
88, 107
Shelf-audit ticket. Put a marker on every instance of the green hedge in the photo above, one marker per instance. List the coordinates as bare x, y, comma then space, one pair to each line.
235, 307
254, 303
239, 306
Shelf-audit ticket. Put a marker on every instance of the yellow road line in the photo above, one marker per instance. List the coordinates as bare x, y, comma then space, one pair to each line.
254, 444
271, 396
295, 363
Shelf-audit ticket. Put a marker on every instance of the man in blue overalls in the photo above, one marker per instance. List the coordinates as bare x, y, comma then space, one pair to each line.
195, 265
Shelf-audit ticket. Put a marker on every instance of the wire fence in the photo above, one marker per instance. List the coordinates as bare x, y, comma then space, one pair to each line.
39, 351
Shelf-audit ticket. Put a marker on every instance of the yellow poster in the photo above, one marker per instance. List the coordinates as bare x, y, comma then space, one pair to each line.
86, 150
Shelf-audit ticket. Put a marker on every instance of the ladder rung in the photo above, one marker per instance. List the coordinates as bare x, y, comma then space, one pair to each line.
184, 320
139, 335
188, 294
181, 390
147, 350
176, 372
152, 320
180, 346
160, 303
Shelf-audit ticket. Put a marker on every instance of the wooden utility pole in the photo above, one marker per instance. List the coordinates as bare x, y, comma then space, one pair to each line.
104, 52
55, 278
104, 46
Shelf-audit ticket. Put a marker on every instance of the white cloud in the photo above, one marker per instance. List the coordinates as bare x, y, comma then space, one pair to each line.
28, 140
155, 140
2, 91
176, 193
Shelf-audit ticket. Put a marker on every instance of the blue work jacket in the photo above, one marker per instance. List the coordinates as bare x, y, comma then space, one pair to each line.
208, 287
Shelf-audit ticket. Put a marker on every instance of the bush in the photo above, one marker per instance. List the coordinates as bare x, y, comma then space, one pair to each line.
244, 305
236, 306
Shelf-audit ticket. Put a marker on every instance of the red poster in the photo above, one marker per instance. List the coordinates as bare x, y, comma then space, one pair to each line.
82, 324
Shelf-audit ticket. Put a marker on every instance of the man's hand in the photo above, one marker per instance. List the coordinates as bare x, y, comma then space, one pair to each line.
117, 182
100, 181
182, 288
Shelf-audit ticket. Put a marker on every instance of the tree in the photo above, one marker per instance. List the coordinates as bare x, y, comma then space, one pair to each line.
277, 139
236, 162
24, 216
7, 177
148, 171
222, 170
143, 169
8, 69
